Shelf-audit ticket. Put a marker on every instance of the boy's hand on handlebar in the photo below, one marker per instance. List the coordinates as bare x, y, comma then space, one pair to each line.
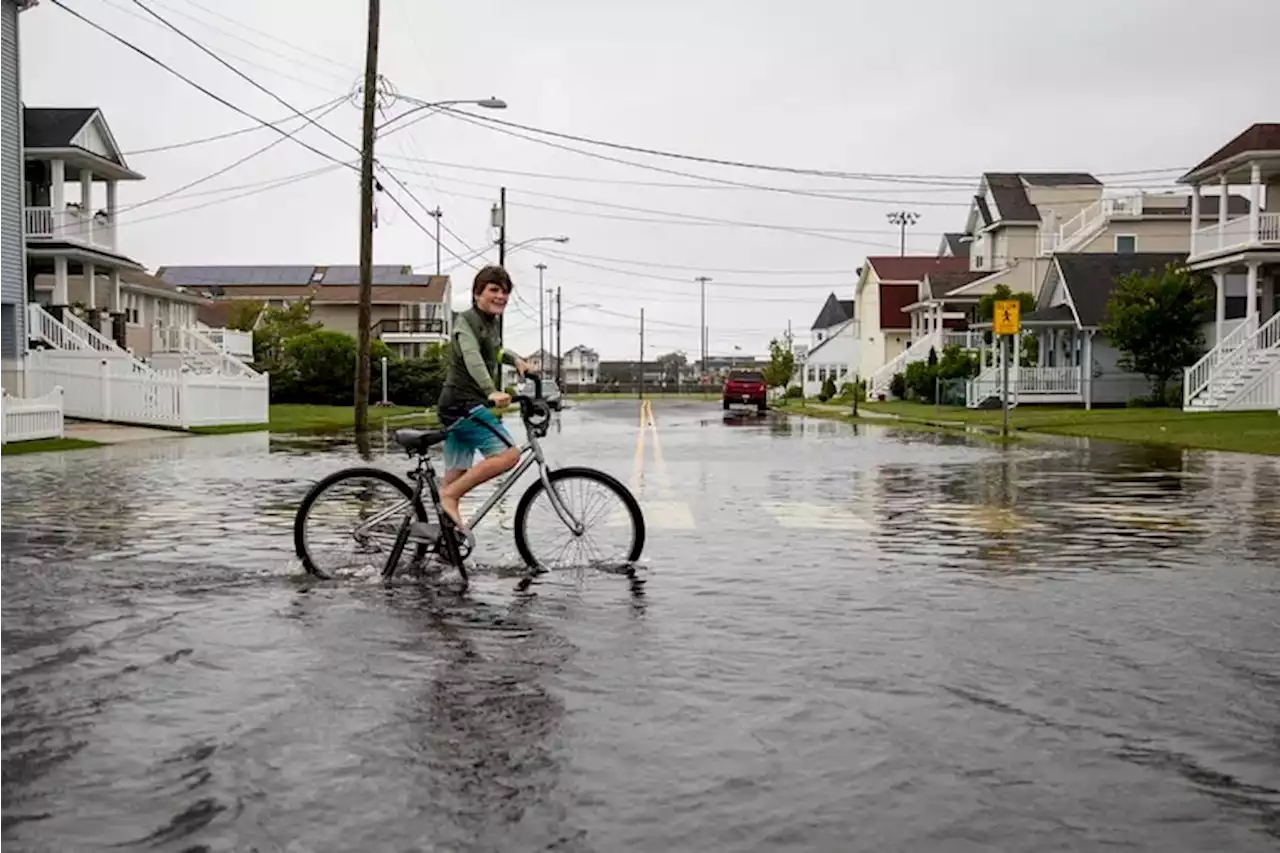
500, 399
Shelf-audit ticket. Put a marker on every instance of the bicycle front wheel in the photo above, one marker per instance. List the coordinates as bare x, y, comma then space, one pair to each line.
612, 526
349, 521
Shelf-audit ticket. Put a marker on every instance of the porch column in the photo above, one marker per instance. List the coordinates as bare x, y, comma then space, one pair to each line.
58, 200
1222, 210
1086, 369
60, 296
86, 204
1196, 206
1255, 201
90, 275
1220, 282
1251, 293
112, 205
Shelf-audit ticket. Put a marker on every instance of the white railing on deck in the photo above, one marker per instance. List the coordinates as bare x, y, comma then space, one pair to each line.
964, 340
199, 351
1236, 233
42, 326
30, 418
1212, 365
38, 221
231, 341
1089, 222
77, 337
881, 379
172, 398
1047, 380
69, 224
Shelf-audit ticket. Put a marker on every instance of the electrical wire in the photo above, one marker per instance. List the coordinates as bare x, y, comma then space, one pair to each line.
740, 164
173, 146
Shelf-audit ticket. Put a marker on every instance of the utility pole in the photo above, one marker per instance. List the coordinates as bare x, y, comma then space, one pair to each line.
641, 353
364, 318
499, 221
559, 317
702, 280
436, 214
542, 346
903, 218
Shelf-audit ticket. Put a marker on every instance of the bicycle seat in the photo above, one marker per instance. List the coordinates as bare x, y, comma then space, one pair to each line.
418, 440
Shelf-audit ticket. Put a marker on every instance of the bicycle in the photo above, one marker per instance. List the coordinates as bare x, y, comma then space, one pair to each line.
410, 523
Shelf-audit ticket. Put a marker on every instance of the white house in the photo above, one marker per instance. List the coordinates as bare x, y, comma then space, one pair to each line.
580, 366
1242, 371
834, 350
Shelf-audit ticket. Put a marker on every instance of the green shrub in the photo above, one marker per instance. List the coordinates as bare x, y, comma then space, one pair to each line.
319, 367
795, 392
828, 389
898, 386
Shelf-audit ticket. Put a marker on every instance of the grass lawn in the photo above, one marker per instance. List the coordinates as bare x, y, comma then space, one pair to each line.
45, 445
291, 417
1245, 432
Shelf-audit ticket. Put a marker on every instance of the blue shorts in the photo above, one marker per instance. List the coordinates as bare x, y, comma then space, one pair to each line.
472, 435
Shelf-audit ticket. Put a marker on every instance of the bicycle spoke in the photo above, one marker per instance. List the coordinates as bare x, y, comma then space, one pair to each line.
591, 503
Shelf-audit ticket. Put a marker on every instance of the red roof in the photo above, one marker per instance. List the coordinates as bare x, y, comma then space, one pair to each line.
914, 268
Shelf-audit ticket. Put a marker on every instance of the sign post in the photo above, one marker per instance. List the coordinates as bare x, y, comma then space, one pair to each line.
1007, 323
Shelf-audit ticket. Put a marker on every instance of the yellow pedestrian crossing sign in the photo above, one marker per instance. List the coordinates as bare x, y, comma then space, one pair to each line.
1008, 320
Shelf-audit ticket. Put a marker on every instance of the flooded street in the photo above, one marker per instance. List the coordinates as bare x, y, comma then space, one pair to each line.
853, 639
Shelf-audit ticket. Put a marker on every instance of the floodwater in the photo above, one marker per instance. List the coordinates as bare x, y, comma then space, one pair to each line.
845, 640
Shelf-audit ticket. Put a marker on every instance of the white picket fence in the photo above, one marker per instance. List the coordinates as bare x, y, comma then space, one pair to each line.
95, 390
28, 418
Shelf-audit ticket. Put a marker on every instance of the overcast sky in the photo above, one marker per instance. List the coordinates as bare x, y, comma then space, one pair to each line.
929, 88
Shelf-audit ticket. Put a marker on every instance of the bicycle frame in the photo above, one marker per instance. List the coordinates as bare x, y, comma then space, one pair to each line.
530, 454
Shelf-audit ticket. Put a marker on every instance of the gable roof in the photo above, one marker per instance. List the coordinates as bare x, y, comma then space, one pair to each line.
905, 268
847, 324
834, 311
958, 244
53, 127
241, 275
1009, 191
942, 282
1090, 277
1258, 137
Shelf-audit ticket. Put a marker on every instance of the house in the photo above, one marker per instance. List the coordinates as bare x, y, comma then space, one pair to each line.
580, 366
410, 311
543, 362
834, 351
1242, 370
886, 286
13, 276
1075, 363
66, 329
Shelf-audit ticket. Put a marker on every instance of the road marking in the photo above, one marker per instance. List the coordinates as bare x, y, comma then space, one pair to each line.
811, 516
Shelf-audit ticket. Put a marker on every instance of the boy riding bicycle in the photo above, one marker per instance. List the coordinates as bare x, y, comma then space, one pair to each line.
472, 360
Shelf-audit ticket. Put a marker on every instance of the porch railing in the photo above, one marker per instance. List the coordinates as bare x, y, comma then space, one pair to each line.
427, 326
69, 224
1196, 379
1236, 233
879, 381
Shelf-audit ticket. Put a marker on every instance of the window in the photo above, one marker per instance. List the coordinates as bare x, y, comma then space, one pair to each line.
1126, 244
813, 373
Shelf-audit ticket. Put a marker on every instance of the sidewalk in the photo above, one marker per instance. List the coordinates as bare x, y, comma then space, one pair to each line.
104, 433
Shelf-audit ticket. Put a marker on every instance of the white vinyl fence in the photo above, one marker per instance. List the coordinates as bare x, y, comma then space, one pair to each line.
27, 418
97, 390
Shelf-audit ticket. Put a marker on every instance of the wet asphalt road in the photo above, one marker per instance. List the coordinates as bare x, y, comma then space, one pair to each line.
845, 640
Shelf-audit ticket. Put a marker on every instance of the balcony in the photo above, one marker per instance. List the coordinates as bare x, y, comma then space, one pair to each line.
410, 331
1236, 235
71, 225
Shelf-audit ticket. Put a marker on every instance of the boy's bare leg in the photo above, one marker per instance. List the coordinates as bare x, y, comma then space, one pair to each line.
464, 481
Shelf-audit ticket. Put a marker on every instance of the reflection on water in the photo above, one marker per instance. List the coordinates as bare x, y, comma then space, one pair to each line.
847, 639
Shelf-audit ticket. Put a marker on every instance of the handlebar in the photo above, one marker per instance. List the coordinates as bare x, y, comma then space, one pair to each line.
523, 398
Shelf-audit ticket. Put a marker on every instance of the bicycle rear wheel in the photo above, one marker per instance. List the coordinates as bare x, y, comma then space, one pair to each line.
324, 527
597, 501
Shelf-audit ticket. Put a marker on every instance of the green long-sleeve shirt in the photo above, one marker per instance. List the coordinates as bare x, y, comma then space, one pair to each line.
474, 355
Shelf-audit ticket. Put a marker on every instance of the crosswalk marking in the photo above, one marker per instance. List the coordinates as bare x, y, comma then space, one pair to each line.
811, 516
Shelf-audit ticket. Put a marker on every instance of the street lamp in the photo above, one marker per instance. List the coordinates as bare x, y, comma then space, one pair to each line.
490, 103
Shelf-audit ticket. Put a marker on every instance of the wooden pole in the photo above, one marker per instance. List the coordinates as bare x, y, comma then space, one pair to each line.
364, 314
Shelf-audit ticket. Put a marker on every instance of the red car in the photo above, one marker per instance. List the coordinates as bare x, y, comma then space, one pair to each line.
745, 388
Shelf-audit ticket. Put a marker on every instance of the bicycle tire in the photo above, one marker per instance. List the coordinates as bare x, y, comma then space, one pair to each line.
300, 520
610, 482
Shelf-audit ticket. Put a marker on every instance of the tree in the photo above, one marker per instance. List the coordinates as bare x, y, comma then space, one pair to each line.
828, 389
781, 366
243, 313
275, 328
1154, 320
672, 365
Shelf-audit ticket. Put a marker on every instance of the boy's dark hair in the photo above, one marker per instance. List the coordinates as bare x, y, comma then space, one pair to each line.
491, 274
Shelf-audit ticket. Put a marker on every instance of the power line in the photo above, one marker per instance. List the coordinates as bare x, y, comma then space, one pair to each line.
697, 267
219, 136
715, 161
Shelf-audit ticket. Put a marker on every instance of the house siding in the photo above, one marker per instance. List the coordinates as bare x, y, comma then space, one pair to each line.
13, 288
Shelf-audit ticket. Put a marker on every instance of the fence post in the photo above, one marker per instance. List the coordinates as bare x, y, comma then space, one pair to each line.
184, 392
105, 387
